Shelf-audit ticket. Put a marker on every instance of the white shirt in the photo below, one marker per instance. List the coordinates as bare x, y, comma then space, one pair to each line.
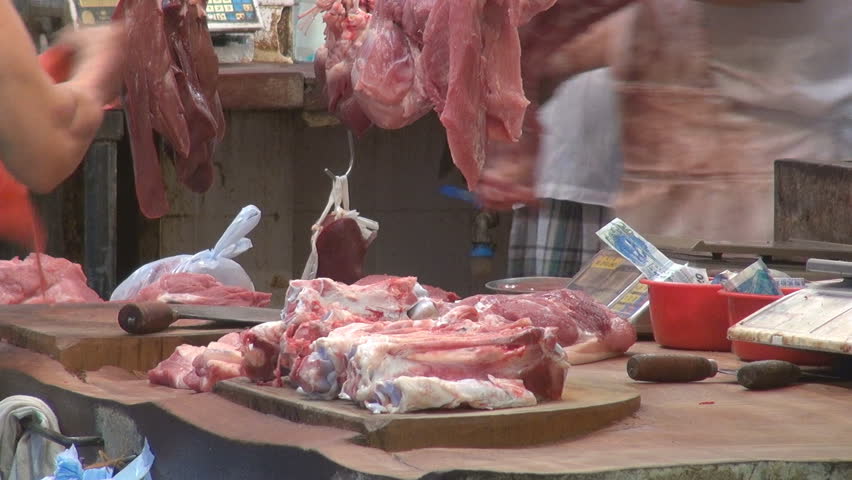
580, 157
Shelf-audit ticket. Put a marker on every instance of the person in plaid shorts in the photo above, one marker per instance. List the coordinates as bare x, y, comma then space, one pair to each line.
579, 173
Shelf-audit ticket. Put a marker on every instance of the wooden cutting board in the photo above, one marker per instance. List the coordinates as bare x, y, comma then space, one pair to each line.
587, 405
87, 337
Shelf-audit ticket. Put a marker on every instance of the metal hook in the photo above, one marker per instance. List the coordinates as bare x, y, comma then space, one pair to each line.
351, 157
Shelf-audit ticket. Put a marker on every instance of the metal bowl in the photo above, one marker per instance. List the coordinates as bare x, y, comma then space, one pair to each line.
527, 284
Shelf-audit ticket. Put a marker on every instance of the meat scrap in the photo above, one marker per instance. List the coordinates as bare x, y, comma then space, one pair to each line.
170, 91
199, 368
200, 289
64, 281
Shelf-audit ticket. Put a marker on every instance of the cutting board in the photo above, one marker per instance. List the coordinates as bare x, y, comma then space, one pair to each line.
587, 405
87, 337
809, 319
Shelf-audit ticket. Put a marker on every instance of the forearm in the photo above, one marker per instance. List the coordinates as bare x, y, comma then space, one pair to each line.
42, 141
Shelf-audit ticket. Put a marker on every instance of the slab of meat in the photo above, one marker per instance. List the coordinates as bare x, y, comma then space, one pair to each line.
340, 238
391, 64
587, 330
172, 371
199, 368
341, 250
200, 289
403, 58
489, 363
64, 281
313, 309
170, 85
261, 346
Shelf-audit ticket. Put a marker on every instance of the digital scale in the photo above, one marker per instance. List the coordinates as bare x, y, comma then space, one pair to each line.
223, 16
815, 318
613, 281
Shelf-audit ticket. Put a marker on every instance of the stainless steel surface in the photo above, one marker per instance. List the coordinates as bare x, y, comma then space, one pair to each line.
528, 284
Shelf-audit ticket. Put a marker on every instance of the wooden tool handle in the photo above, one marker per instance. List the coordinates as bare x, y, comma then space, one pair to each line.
149, 317
670, 368
767, 374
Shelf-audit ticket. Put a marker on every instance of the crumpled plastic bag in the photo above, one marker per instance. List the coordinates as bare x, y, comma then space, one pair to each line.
340, 239
68, 467
216, 262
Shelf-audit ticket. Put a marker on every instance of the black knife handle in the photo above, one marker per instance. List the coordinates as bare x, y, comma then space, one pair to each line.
670, 368
766, 374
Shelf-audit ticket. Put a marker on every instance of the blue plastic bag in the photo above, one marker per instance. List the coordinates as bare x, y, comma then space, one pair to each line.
68, 467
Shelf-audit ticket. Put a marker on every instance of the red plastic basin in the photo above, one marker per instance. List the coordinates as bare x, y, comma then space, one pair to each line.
740, 306
689, 316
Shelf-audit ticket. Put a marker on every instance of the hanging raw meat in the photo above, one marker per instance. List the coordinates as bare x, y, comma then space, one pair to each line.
340, 239
170, 91
389, 62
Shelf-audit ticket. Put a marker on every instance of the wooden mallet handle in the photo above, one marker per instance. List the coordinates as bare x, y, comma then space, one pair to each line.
148, 317
670, 368
767, 374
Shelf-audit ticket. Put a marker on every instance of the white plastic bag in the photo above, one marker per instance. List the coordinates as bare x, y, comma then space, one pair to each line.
337, 208
216, 262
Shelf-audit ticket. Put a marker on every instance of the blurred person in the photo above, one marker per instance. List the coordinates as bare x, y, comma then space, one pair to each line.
578, 177
711, 94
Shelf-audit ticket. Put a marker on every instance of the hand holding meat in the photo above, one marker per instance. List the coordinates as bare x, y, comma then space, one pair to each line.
98, 56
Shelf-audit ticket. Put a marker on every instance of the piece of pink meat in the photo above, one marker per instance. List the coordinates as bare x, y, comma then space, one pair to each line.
587, 330
200, 368
200, 289
65, 282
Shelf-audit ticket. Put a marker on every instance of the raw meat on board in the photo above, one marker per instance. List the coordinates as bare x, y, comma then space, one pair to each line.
200, 289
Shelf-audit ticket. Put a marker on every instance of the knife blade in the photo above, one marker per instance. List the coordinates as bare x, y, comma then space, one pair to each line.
152, 317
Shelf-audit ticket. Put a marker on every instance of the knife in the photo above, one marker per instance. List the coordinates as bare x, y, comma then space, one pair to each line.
153, 317
760, 375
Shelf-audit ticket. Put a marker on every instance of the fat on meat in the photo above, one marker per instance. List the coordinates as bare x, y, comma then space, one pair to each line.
587, 330
170, 91
64, 281
200, 289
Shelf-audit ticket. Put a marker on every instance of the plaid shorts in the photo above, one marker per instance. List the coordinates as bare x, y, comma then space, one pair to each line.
555, 239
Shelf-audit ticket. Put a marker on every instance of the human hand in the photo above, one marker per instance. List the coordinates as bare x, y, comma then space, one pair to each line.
508, 177
98, 59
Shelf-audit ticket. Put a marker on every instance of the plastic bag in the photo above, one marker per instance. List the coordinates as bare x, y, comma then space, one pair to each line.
338, 209
68, 467
216, 262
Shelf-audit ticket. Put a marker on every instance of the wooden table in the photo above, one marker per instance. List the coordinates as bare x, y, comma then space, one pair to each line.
712, 429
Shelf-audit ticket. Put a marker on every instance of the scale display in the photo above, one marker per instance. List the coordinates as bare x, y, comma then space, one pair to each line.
92, 12
222, 15
232, 15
